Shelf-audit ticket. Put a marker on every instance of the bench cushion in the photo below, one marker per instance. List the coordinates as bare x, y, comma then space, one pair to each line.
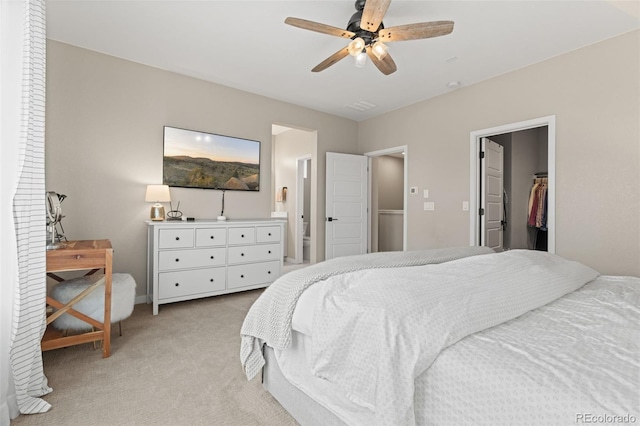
123, 294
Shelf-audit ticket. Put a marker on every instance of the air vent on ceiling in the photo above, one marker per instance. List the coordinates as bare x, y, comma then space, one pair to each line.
361, 106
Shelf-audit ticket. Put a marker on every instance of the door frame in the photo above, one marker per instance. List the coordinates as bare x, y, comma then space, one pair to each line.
474, 167
379, 153
298, 226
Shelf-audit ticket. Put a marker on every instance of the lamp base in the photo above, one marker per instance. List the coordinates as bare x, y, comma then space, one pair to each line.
157, 212
222, 218
55, 245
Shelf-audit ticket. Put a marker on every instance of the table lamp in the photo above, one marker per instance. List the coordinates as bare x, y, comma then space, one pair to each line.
157, 194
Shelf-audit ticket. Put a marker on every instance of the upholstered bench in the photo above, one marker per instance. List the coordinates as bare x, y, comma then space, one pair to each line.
123, 295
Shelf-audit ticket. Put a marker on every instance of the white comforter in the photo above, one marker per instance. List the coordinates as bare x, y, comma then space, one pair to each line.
375, 332
573, 361
269, 319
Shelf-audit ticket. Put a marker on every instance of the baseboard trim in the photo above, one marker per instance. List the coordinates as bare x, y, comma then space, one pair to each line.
141, 299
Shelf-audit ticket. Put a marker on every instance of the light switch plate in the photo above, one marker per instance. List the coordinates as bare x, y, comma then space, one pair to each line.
465, 206
426, 193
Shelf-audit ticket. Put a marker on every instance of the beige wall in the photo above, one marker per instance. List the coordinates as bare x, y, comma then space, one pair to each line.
594, 93
104, 145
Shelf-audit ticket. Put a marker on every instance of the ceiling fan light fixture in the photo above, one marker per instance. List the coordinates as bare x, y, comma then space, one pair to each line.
361, 59
356, 46
379, 49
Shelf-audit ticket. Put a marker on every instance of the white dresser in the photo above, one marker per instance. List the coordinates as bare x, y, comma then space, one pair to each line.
190, 260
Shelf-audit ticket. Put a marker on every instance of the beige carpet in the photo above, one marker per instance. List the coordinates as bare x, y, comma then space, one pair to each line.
178, 368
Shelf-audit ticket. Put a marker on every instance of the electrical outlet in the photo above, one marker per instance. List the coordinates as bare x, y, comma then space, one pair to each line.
429, 206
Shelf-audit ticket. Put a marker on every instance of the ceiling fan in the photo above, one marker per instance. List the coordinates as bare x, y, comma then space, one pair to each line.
368, 35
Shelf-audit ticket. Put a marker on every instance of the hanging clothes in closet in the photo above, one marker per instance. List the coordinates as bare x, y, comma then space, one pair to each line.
537, 219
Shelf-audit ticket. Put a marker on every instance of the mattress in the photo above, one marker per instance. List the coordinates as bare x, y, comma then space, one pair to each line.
574, 359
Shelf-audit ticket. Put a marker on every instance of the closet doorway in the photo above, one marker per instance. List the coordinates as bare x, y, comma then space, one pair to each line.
501, 203
388, 186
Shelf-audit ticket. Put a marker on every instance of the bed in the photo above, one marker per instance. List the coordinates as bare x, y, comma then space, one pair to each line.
449, 336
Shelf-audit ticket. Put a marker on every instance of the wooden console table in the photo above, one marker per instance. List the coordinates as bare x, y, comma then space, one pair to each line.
76, 256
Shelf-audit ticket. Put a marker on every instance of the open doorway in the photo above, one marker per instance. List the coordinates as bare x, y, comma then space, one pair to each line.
293, 153
512, 168
349, 212
388, 186
303, 213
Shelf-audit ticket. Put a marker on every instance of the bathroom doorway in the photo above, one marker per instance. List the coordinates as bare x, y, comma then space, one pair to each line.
294, 195
303, 209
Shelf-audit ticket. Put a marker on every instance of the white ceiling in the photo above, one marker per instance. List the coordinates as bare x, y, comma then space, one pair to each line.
246, 45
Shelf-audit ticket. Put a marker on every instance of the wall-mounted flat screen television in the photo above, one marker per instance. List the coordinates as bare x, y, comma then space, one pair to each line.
195, 159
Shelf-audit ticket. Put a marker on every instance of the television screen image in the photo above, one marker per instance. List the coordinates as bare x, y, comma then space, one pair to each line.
195, 159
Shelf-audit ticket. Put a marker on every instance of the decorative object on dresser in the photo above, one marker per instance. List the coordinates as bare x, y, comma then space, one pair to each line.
222, 217
157, 194
202, 258
174, 214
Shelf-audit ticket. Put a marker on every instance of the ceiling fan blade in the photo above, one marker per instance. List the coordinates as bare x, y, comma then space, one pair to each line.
318, 27
386, 65
416, 31
372, 14
331, 60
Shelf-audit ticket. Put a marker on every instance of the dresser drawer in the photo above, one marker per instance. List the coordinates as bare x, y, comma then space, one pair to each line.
185, 283
175, 238
242, 236
260, 253
267, 234
181, 259
210, 237
253, 274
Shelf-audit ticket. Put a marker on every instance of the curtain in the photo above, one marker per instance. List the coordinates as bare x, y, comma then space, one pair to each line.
23, 250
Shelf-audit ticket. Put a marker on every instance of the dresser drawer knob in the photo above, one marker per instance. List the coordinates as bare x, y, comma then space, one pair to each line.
241, 254
78, 256
212, 237
269, 251
212, 257
177, 260
241, 276
242, 236
177, 284
268, 272
177, 238
211, 280
269, 233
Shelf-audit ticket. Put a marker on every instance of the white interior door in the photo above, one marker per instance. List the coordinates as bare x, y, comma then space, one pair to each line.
346, 205
492, 202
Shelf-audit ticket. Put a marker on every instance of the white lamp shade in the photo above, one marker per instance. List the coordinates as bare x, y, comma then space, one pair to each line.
355, 47
379, 50
157, 193
361, 59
